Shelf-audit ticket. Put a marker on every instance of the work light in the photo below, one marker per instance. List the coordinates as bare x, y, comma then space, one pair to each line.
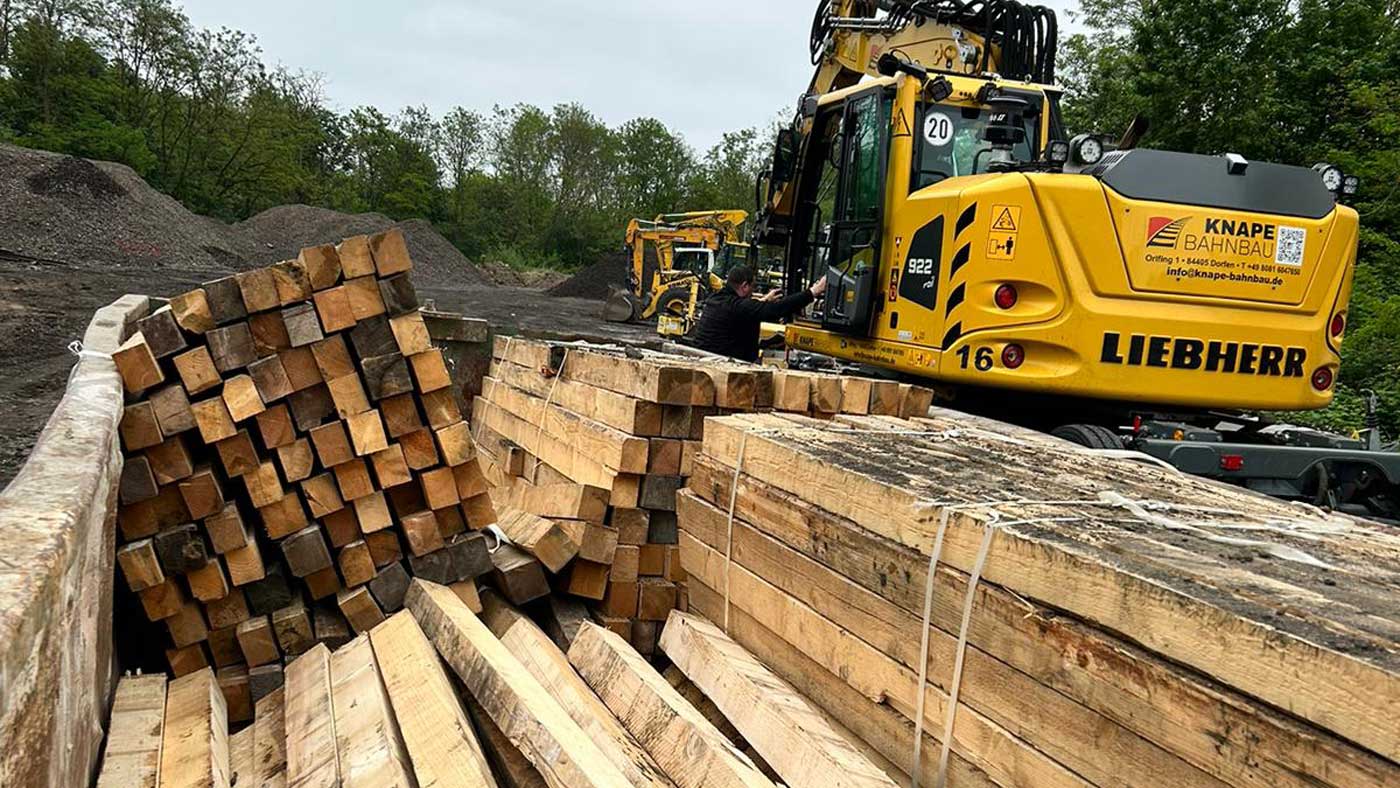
1086, 149
1332, 177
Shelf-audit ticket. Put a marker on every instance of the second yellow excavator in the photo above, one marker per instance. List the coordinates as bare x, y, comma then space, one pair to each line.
674, 262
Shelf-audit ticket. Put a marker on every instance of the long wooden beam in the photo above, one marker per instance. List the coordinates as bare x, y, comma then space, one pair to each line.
650, 381
270, 741
435, 729
613, 448
194, 748
567, 459
1224, 734
551, 668
555, 744
312, 758
619, 411
367, 738
885, 736
792, 736
989, 744
691, 750
132, 755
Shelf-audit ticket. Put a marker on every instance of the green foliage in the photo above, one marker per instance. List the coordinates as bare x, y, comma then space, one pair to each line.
199, 116
1295, 82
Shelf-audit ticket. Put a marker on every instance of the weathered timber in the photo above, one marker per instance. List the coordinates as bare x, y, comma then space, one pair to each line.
518, 575
194, 748
514, 700
312, 757
371, 752
131, 757
550, 667
1073, 574
791, 736
436, 732
691, 750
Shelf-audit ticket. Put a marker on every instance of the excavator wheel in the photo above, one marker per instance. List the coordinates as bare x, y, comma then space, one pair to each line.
1089, 435
675, 301
621, 307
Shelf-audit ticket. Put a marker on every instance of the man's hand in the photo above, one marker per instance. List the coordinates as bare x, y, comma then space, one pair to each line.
819, 288
771, 296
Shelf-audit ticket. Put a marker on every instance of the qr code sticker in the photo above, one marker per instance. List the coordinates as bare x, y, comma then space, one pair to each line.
1292, 243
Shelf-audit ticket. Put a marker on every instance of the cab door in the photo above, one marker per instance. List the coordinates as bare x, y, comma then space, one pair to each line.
852, 267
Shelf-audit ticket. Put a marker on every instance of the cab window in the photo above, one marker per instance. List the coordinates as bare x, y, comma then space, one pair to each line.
950, 143
862, 201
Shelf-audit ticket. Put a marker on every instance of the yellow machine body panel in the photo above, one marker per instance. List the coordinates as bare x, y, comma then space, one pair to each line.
1116, 298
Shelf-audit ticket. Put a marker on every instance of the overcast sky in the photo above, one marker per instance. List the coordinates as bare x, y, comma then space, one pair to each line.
701, 68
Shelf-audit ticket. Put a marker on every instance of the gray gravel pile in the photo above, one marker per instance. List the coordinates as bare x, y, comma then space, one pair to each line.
597, 280
281, 232
56, 208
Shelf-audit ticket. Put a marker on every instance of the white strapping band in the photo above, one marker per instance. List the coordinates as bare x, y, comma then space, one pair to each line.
729, 525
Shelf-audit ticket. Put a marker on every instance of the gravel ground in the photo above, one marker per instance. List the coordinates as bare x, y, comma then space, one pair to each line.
280, 233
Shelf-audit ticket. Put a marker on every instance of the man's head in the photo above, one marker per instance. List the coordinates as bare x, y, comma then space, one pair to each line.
741, 280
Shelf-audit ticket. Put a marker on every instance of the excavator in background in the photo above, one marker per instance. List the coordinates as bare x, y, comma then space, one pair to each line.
1117, 297
675, 261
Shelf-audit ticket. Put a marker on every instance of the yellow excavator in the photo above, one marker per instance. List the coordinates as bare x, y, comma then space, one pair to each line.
1115, 296
675, 262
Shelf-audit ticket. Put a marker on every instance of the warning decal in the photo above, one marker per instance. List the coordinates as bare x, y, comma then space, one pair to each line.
1006, 218
1002, 237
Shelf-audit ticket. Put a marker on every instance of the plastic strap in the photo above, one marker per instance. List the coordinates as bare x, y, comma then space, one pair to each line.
916, 769
729, 525
952, 714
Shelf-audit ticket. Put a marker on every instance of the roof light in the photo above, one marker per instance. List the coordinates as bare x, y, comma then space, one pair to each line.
1351, 185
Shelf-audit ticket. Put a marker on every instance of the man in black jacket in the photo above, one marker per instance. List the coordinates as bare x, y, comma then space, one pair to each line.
732, 318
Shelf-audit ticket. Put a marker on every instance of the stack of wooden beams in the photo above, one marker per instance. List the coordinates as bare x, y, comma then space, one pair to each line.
294, 453
1090, 621
382, 711
588, 444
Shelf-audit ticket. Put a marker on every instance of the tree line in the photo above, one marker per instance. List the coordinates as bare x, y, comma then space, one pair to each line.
199, 115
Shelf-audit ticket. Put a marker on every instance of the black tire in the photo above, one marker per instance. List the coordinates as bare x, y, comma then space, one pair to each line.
675, 301
1089, 435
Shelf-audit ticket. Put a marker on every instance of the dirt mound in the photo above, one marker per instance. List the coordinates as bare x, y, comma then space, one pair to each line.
73, 176
99, 215
595, 281
281, 232
436, 262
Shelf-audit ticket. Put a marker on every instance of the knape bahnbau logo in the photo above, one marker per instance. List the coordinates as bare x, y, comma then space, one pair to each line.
1164, 232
